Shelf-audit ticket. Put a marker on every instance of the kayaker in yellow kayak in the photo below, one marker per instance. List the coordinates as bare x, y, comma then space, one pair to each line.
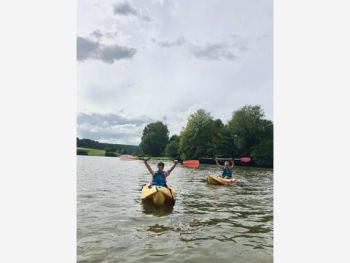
159, 177
226, 168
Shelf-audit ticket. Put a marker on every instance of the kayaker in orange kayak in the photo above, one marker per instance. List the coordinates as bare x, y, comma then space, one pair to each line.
226, 168
159, 177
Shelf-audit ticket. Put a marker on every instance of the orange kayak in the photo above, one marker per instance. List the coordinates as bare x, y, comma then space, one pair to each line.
216, 179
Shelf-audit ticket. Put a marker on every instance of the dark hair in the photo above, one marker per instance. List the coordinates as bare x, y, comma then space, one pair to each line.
160, 164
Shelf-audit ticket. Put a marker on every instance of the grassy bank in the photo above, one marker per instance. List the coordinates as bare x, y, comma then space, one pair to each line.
91, 152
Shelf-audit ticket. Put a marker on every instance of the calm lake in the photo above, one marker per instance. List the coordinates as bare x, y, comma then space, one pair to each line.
208, 223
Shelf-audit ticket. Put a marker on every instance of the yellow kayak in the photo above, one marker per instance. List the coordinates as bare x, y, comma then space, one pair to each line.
158, 195
216, 179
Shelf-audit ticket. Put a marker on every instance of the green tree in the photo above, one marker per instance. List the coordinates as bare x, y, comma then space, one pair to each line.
110, 154
225, 144
246, 127
82, 152
198, 137
154, 138
110, 149
252, 134
262, 153
218, 138
172, 148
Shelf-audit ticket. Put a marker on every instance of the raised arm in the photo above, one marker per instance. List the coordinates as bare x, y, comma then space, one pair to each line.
172, 167
218, 164
148, 166
233, 164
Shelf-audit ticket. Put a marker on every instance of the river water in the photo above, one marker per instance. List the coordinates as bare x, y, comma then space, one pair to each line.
208, 223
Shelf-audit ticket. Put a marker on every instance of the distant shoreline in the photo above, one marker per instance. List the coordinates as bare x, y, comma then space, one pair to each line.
102, 153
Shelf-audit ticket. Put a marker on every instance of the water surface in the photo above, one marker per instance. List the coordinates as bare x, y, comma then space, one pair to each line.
208, 223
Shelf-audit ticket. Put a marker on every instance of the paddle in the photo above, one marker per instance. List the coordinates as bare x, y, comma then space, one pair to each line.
187, 163
127, 157
191, 163
242, 159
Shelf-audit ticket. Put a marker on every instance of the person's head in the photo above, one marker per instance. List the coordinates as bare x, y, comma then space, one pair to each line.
227, 163
160, 166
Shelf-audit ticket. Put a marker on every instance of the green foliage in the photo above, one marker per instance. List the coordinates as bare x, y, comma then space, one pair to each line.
111, 154
225, 143
247, 133
110, 147
198, 138
92, 152
263, 153
161, 158
246, 128
172, 148
154, 138
252, 134
82, 152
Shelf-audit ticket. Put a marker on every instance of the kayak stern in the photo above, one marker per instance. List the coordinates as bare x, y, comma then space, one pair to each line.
218, 180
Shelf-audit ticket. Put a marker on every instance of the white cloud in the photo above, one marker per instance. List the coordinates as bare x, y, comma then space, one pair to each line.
89, 49
111, 127
126, 9
217, 56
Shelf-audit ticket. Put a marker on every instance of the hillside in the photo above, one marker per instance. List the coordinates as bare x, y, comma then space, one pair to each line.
107, 147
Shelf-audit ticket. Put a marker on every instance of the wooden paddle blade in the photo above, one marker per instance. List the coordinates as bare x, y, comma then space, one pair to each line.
191, 163
127, 157
245, 159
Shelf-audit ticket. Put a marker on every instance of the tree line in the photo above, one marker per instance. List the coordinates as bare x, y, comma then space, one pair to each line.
110, 148
247, 133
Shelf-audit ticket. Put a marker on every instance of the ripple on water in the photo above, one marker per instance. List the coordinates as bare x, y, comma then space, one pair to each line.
207, 224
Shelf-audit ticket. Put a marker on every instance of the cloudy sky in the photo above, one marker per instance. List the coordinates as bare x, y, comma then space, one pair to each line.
140, 61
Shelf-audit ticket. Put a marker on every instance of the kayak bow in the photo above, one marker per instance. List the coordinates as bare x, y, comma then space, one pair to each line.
158, 195
216, 179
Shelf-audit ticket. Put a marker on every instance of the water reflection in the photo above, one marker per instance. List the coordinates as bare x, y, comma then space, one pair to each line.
157, 228
151, 209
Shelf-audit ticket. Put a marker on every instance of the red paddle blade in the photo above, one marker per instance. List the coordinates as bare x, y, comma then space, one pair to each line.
127, 157
245, 159
191, 163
